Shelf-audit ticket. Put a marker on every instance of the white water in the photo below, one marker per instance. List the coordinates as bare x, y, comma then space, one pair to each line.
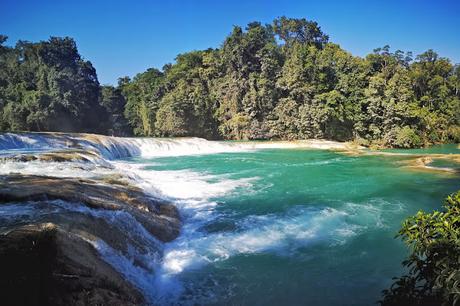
195, 193
116, 147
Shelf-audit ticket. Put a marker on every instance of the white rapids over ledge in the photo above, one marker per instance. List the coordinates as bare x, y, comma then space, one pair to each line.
117, 147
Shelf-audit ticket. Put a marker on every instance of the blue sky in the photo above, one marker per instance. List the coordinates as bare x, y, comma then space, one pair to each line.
126, 37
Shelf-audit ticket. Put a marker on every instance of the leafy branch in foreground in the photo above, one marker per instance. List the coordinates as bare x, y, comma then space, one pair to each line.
433, 276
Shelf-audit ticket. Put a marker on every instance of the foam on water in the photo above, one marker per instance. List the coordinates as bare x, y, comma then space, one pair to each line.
256, 234
183, 184
194, 194
9, 141
57, 169
279, 234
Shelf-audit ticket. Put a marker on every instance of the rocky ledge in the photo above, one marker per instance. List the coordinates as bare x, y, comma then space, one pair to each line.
68, 155
43, 264
48, 257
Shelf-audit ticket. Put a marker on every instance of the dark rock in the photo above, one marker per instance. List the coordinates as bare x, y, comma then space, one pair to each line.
41, 264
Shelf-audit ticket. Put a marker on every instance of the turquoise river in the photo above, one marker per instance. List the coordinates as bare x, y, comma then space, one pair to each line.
290, 226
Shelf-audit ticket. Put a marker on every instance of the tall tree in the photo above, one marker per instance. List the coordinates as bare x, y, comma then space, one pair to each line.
47, 86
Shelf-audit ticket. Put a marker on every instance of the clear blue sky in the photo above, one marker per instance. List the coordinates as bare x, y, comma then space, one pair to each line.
126, 37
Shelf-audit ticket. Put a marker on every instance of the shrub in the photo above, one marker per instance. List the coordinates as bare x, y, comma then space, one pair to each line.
407, 138
434, 262
454, 133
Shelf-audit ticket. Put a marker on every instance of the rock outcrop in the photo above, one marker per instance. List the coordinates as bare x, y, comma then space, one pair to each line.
161, 219
42, 264
47, 257
68, 155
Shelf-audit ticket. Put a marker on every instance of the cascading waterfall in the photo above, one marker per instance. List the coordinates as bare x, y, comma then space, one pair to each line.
116, 147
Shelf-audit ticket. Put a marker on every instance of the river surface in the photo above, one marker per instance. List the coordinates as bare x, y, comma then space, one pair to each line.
260, 226
292, 227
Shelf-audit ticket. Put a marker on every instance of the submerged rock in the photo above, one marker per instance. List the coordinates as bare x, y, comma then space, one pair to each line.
42, 264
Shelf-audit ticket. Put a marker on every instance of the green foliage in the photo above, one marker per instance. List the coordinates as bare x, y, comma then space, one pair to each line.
114, 103
286, 81
283, 80
47, 86
454, 133
142, 95
406, 138
292, 30
434, 263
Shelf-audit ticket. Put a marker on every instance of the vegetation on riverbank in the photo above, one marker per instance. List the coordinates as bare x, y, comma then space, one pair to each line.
283, 80
433, 276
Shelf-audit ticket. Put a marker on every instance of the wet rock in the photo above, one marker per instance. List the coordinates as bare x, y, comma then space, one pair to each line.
161, 219
43, 264
424, 163
56, 156
47, 255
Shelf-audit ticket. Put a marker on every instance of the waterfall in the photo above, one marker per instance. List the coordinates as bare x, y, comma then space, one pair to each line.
116, 147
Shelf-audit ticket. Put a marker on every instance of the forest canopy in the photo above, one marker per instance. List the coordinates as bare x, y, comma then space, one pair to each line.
283, 80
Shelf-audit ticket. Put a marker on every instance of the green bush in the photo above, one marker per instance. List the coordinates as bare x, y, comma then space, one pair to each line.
407, 138
454, 133
434, 262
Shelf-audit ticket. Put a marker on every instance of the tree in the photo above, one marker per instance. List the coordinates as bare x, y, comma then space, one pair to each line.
283, 80
114, 103
47, 86
302, 31
142, 96
251, 63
